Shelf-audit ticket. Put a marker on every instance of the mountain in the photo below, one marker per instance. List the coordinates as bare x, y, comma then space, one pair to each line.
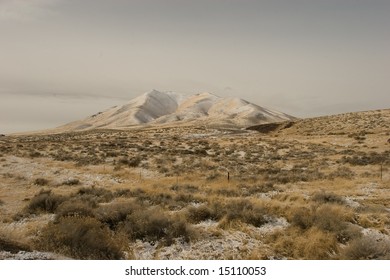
158, 108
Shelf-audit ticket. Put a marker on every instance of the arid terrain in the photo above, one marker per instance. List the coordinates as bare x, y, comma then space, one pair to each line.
315, 188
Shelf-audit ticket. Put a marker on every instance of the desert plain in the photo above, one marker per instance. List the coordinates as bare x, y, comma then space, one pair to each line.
315, 188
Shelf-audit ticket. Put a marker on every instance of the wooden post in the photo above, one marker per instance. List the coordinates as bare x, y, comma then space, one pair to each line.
228, 176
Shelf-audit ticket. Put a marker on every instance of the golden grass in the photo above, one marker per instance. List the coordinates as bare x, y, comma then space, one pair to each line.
300, 174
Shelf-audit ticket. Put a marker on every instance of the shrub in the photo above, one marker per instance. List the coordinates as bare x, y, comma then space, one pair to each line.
325, 197
241, 210
100, 194
366, 159
264, 188
41, 182
131, 162
312, 244
35, 154
213, 176
88, 160
277, 175
134, 162
184, 188
80, 238
367, 248
71, 182
316, 245
76, 208
342, 172
45, 201
327, 218
114, 214
153, 225
201, 213
12, 245
302, 218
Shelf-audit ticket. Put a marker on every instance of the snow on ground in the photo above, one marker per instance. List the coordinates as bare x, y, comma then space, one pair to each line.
216, 244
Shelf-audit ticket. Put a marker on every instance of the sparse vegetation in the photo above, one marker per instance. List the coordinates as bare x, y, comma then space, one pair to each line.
44, 201
152, 225
367, 248
41, 182
80, 238
313, 189
12, 245
71, 182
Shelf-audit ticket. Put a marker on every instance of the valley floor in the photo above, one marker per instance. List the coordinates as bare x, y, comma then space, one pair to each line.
315, 189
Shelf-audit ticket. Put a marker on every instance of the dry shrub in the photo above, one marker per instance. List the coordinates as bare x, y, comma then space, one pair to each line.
312, 244
341, 172
302, 218
184, 188
367, 248
98, 194
326, 197
334, 219
239, 210
114, 214
76, 208
201, 213
134, 162
290, 197
153, 225
329, 218
231, 191
248, 190
318, 245
326, 217
131, 162
80, 238
12, 245
213, 176
71, 182
277, 175
41, 182
44, 201
166, 199
376, 220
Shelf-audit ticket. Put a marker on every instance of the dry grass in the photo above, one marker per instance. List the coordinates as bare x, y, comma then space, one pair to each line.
80, 238
169, 186
367, 248
153, 225
12, 246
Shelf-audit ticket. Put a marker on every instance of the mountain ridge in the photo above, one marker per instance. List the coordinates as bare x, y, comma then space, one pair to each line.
159, 108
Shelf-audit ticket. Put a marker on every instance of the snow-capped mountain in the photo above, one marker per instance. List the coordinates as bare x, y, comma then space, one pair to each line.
156, 108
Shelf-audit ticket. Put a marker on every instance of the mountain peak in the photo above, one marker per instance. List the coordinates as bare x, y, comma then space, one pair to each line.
158, 107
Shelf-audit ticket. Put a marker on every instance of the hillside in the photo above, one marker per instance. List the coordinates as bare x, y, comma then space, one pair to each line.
159, 108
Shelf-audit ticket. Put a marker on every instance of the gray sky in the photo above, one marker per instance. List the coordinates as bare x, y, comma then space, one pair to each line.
62, 60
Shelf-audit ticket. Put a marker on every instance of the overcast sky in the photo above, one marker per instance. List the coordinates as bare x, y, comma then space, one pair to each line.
62, 60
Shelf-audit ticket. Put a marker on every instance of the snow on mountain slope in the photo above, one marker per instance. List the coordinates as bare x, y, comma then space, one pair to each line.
157, 107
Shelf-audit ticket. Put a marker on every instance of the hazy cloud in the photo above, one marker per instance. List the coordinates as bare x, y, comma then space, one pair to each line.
303, 57
24, 10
